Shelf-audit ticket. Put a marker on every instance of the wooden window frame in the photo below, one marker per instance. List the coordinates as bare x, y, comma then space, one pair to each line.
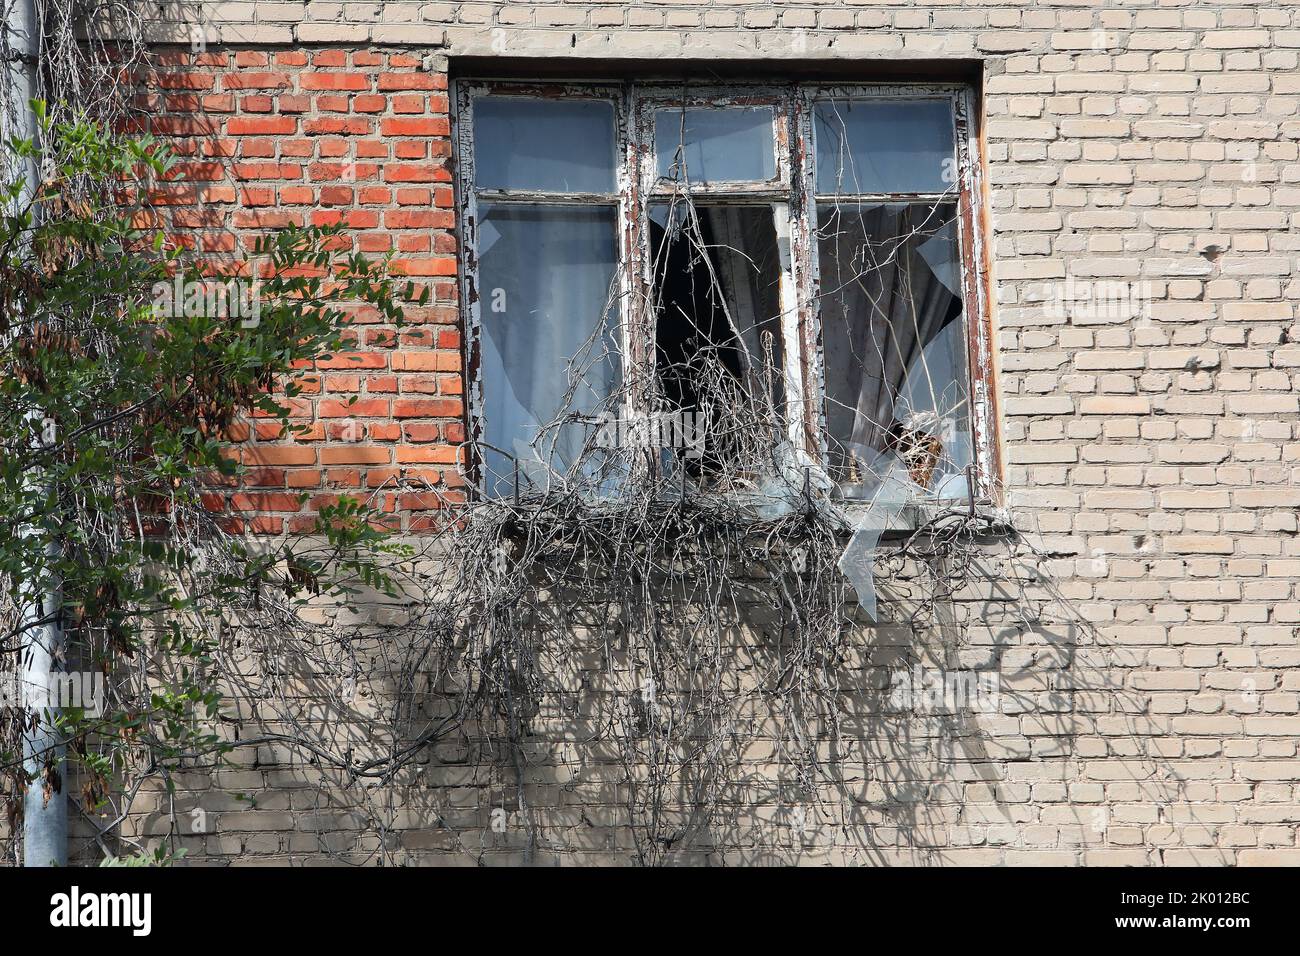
793, 196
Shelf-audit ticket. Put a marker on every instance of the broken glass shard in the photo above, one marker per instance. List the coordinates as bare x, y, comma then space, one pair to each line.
890, 496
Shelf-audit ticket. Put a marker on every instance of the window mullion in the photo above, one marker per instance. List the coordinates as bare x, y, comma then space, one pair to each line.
979, 337
546, 198
792, 346
806, 356
464, 185
634, 177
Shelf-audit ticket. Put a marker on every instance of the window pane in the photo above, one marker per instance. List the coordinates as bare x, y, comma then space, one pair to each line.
541, 144
715, 145
894, 338
549, 333
884, 146
717, 278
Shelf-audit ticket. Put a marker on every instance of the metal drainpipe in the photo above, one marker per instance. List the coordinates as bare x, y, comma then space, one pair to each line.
45, 822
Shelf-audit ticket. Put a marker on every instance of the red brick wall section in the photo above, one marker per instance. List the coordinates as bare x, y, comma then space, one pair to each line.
269, 138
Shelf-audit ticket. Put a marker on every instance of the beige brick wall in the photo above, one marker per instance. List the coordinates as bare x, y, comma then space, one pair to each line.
1154, 457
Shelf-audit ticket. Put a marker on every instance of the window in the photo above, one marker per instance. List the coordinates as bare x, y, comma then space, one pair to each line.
812, 250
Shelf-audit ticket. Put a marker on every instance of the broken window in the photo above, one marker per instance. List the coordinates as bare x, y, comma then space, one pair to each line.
891, 312
810, 251
894, 344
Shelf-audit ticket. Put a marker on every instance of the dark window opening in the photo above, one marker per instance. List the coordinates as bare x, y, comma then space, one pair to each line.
717, 316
